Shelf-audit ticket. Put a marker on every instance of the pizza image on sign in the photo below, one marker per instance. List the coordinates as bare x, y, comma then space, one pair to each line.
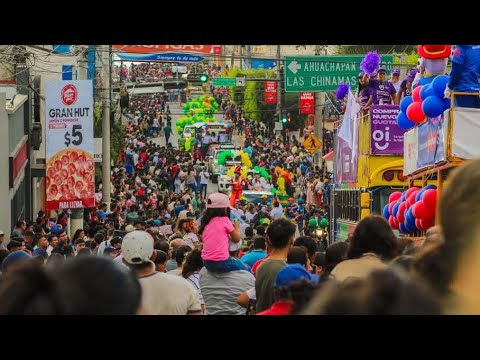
70, 180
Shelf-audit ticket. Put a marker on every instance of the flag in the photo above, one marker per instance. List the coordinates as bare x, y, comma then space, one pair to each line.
352, 108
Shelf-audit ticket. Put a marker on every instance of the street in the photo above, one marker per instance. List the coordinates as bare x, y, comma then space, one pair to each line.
176, 109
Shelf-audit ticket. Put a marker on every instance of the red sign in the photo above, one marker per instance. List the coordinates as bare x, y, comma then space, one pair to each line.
307, 103
19, 161
69, 94
270, 92
217, 49
152, 49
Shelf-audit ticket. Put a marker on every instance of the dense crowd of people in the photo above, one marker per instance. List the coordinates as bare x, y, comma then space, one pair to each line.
167, 246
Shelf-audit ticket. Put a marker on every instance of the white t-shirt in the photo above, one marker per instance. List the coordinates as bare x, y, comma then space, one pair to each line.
204, 175
163, 294
249, 216
191, 239
277, 213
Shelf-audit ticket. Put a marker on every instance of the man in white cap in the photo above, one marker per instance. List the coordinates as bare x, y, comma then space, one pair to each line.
162, 294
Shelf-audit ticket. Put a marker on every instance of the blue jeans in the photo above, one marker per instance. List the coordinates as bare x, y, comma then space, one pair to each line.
203, 190
231, 264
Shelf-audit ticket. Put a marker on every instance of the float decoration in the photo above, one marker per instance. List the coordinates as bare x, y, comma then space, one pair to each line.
370, 62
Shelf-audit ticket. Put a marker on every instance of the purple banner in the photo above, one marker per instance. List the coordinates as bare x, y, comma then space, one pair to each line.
386, 136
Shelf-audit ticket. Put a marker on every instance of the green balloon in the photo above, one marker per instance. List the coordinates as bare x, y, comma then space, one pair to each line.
312, 222
323, 223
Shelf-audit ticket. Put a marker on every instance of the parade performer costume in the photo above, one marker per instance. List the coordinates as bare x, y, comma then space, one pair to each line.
237, 186
433, 62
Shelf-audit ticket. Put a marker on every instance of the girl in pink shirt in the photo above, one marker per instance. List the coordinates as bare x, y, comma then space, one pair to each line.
215, 228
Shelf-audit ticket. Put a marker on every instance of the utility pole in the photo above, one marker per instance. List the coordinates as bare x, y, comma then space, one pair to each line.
279, 87
249, 56
241, 57
75, 216
318, 125
106, 73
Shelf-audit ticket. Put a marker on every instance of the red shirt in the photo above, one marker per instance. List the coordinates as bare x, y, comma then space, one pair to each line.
257, 264
278, 308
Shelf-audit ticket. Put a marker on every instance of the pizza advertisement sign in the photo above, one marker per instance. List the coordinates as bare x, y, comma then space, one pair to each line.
70, 170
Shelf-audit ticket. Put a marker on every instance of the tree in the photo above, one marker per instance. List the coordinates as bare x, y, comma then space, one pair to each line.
381, 49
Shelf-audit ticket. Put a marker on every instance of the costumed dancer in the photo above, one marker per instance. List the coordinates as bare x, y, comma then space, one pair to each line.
433, 62
237, 184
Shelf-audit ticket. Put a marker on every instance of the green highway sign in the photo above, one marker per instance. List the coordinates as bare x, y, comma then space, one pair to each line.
224, 81
324, 73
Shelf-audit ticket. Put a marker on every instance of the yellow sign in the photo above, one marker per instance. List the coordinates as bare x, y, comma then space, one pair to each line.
312, 143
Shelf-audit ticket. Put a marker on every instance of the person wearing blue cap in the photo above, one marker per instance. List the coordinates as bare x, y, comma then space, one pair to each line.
293, 287
14, 261
157, 222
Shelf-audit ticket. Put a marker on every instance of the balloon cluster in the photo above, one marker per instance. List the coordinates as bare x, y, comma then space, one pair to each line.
323, 223
245, 159
198, 110
413, 210
426, 100
222, 157
263, 172
243, 171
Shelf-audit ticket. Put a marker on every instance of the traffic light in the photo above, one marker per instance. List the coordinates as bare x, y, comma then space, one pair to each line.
197, 78
284, 117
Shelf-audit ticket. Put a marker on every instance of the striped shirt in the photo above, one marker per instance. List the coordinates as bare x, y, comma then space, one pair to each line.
194, 279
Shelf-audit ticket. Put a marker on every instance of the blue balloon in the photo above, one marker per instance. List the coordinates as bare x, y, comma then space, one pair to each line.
432, 106
386, 213
426, 91
403, 122
395, 209
419, 195
439, 84
429, 187
402, 228
446, 104
411, 227
409, 218
404, 196
407, 100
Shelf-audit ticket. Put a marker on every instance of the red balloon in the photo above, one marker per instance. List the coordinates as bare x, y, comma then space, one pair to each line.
416, 94
420, 211
401, 212
427, 223
394, 197
409, 191
430, 198
415, 112
411, 199
390, 207
396, 226
419, 225
393, 222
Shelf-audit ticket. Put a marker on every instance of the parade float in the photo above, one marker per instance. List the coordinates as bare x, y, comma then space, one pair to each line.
368, 160
442, 137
